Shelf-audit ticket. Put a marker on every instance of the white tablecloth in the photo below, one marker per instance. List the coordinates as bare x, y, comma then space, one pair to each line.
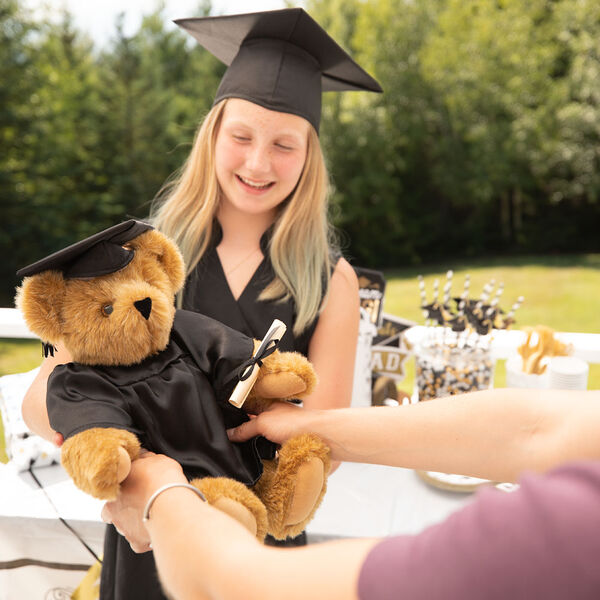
40, 558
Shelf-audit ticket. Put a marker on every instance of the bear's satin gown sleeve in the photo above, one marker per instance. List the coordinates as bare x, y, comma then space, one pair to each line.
80, 398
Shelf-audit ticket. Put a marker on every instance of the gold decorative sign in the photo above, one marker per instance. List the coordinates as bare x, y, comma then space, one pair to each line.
389, 361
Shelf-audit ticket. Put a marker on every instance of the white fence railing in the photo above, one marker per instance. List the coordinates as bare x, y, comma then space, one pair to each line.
585, 345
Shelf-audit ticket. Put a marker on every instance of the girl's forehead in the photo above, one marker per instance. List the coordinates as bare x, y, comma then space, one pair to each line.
253, 116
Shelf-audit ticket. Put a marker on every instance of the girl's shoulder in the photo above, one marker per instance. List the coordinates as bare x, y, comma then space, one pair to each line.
343, 275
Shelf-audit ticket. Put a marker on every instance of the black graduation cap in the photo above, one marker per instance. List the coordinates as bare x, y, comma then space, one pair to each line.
99, 254
279, 59
436, 311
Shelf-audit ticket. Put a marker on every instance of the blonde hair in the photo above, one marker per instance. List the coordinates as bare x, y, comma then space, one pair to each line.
302, 240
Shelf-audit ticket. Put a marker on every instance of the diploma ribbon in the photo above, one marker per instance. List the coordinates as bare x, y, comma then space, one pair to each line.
247, 372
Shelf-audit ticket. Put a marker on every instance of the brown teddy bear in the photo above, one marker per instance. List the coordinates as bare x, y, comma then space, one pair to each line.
146, 374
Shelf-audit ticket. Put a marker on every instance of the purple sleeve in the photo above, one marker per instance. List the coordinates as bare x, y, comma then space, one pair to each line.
541, 541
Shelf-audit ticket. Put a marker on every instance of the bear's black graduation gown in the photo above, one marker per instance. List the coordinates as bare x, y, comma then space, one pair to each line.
176, 403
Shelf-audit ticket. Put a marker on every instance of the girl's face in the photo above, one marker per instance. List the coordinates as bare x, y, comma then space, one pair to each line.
259, 155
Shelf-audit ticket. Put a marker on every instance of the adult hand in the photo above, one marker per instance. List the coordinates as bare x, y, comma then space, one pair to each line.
278, 423
149, 472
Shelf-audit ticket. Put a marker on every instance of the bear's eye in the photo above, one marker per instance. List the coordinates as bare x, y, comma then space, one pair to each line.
107, 309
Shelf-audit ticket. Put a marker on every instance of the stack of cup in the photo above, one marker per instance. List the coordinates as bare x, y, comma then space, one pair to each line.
568, 373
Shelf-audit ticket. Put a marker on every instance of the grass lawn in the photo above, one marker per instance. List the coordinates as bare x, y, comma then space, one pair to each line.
17, 356
560, 292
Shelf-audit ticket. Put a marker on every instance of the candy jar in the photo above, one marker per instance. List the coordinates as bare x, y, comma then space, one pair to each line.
444, 368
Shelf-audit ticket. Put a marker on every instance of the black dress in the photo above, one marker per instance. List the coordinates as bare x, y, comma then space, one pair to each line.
207, 291
130, 576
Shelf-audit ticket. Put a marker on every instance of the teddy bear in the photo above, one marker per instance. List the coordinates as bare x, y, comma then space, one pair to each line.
145, 374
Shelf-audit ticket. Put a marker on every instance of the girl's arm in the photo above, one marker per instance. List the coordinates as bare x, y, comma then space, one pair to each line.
495, 434
34, 409
332, 349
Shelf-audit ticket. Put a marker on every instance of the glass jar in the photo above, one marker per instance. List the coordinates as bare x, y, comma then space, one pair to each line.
447, 366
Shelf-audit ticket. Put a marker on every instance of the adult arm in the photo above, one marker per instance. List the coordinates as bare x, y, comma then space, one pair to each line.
495, 434
202, 553
332, 348
537, 542
33, 408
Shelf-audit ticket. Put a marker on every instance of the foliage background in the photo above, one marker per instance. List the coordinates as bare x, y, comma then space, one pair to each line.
485, 142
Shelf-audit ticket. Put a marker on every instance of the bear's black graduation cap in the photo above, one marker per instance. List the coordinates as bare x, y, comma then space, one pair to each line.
99, 254
279, 59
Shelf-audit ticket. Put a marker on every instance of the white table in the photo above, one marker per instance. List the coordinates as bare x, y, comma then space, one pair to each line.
361, 501
377, 501
38, 553
504, 342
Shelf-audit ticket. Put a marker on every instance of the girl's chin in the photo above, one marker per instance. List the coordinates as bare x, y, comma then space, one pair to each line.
252, 206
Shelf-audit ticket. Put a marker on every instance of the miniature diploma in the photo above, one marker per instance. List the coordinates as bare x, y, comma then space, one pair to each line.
251, 368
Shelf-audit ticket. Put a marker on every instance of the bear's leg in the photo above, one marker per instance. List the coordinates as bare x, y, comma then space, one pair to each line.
293, 485
236, 500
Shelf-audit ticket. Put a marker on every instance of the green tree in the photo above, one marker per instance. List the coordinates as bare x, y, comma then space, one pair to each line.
91, 135
19, 81
567, 163
52, 155
156, 87
377, 145
509, 75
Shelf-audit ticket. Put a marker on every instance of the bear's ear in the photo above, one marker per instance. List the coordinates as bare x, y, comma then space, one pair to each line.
40, 299
167, 254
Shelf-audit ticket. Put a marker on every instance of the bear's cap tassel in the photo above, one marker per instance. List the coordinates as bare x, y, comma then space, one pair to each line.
48, 349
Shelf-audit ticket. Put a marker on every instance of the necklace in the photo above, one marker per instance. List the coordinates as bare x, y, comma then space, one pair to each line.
238, 265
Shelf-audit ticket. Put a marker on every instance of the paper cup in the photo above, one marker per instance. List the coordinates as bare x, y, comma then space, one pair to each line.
568, 373
516, 378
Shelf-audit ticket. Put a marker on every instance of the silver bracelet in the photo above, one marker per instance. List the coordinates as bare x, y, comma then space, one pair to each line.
160, 490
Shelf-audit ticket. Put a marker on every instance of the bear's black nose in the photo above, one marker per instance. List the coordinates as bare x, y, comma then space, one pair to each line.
145, 307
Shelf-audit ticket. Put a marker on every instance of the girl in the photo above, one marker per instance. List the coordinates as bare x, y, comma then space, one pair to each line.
249, 212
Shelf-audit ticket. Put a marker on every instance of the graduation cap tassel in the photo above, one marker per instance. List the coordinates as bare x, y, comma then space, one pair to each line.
48, 349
